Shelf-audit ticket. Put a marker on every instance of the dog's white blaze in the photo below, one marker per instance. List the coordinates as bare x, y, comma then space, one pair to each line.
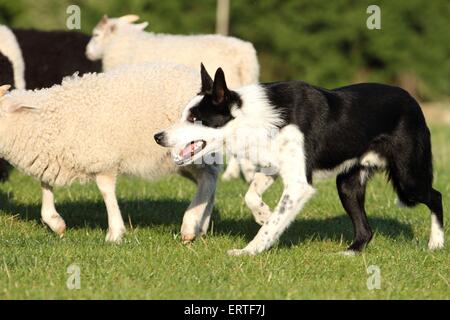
342, 168
196, 100
436, 234
372, 159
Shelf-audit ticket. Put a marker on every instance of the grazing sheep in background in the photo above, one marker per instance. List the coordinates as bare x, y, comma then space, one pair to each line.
41, 59
6, 76
11, 49
49, 56
6, 70
98, 127
117, 41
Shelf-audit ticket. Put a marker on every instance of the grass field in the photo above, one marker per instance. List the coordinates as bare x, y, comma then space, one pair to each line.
153, 264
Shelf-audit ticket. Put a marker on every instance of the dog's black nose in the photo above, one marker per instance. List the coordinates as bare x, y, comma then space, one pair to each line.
159, 138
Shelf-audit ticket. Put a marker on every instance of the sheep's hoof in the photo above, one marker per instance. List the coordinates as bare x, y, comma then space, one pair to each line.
115, 236
57, 225
187, 238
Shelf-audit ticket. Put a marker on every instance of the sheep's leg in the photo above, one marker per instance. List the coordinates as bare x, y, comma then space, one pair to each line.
116, 228
197, 216
48, 211
253, 198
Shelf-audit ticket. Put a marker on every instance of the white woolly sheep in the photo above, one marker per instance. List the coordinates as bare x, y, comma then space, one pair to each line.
100, 126
40, 59
117, 41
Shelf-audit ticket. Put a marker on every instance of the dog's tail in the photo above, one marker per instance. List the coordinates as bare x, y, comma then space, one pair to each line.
411, 164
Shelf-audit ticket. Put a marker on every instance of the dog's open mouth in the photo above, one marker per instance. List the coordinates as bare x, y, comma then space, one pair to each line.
190, 150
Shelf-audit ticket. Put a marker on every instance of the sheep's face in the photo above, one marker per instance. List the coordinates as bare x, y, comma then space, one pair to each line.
100, 35
105, 30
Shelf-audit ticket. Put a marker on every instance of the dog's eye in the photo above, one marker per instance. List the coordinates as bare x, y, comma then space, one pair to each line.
192, 118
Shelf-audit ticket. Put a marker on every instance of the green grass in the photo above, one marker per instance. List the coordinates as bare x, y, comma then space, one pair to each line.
153, 264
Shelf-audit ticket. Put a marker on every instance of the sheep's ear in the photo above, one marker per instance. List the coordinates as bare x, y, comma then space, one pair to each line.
130, 18
104, 20
11, 107
207, 82
220, 90
141, 26
4, 89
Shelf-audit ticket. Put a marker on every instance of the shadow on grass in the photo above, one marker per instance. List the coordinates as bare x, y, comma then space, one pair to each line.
333, 228
92, 214
169, 212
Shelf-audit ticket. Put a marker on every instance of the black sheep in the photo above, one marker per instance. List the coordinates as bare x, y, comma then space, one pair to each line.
50, 56
6, 71
6, 77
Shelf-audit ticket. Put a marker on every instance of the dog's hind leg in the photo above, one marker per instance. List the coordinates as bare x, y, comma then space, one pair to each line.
48, 211
411, 173
253, 198
351, 187
106, 183
437, 221
197, 217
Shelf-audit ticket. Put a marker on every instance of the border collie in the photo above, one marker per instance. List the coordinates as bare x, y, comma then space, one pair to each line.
352, 131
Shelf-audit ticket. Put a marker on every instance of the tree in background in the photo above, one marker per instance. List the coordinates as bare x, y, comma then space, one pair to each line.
323, 42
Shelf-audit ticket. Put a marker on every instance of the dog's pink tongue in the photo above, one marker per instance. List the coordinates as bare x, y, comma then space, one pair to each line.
187, 151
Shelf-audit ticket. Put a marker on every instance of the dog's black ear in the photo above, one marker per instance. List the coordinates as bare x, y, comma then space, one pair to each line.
207, 82
220, 90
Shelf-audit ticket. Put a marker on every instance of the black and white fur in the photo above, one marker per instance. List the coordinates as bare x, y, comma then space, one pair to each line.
352, 131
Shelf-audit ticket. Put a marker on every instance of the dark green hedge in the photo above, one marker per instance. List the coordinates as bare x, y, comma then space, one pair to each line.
325, 42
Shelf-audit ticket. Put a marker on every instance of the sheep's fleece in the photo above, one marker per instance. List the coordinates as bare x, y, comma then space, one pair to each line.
117, 41
101, 125
126, 43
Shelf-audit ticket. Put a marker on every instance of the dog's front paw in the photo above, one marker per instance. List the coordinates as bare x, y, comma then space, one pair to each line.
347, 253
240, 252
